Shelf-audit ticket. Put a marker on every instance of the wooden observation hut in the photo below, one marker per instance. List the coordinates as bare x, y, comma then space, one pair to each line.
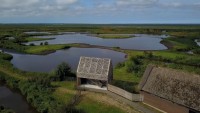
94, 73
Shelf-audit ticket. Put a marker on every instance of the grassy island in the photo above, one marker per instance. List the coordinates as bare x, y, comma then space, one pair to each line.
31, 39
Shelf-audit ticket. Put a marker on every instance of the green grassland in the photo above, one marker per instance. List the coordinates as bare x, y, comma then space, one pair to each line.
121, 75
42, 49
30, 39
46, 49
64, 91
88, 105
180, 43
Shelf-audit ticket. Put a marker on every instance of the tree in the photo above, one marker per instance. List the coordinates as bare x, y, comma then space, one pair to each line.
63, 70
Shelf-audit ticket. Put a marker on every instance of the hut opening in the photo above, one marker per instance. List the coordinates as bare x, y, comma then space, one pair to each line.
94, 73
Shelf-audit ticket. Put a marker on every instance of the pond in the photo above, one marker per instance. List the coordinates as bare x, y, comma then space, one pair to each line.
14, 100
138, 42
47, 63
198, 42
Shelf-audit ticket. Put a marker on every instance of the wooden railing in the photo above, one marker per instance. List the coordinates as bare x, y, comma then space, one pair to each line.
125, 94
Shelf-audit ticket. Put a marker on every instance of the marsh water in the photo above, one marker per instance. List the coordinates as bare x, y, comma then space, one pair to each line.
138, 42
198, 43
47, 63
14, 100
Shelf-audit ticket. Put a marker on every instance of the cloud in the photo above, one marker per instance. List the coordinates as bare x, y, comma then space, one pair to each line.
93, 8
136, 2
65, 2
192, 6
17, 3
24, 8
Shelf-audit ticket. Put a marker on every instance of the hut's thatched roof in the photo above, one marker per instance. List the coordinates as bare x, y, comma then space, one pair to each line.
177, 86
94, 68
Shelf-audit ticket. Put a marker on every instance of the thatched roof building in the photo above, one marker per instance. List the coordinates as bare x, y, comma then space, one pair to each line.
176, 86
96, 71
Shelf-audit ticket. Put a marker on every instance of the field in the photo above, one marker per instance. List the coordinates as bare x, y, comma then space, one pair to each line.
56, 95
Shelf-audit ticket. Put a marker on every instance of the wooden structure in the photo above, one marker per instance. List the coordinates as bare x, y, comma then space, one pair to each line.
94, 71
125, 94
171, 90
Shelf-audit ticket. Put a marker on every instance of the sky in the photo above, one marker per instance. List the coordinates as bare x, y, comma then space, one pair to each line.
100, 11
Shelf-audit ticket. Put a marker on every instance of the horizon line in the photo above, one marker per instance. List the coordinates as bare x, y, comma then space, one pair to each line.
111, 23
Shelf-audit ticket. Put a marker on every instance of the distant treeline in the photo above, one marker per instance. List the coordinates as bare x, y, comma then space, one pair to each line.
100, 28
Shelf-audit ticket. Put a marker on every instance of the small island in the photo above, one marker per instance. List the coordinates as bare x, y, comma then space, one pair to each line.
30, 39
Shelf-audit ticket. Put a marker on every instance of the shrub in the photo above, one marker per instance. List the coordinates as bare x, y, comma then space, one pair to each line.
148, 54
196, 51
38, 93
133, 65
128, 86
32, 44
120, 65
5, 56
63, 71
129, 66
46, 43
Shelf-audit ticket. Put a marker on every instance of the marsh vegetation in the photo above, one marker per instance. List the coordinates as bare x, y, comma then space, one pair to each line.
46, 93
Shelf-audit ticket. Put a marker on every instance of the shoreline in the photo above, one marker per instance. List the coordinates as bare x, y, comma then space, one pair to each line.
17, 91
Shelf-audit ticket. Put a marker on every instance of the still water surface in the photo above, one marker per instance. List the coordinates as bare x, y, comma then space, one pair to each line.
198, 43
47, 63
14, 100
139, 42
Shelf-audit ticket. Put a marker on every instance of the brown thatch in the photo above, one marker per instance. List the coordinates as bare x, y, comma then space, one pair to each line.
94, 68
176, 86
